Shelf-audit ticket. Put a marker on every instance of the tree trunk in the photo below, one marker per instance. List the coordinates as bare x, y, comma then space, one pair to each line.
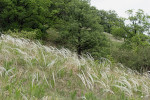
79, 50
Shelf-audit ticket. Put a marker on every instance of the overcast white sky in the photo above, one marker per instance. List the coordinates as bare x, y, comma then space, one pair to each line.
120, 6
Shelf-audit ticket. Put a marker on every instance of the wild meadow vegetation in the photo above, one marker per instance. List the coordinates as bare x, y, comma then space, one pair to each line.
68, 50
31, 71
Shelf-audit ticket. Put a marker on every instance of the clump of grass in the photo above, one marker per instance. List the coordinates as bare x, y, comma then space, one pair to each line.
31, 71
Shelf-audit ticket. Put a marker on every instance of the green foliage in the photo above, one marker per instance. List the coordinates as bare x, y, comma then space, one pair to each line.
118, 32
71, 23
90, 96
138, 59
134, 51
136, 42
79, 27
109, 19
139, 22
26, 15
73, 95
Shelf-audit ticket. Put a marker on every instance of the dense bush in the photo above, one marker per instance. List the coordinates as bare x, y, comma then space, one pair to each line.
26, 15
139, 60
118, 32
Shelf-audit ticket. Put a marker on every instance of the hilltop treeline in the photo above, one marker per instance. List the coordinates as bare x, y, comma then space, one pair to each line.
76, 25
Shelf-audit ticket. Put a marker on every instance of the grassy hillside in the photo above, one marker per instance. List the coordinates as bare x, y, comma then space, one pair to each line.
31, 71
113, 39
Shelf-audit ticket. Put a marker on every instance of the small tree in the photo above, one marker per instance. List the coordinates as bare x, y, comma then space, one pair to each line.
139, 22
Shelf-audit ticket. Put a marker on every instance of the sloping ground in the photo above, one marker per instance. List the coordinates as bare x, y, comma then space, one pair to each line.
31, 71
113, 39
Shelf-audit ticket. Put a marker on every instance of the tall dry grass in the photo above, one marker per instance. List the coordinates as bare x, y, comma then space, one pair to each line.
31, 71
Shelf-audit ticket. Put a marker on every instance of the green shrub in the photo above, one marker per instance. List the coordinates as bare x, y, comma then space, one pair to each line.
137, 60
118, 32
